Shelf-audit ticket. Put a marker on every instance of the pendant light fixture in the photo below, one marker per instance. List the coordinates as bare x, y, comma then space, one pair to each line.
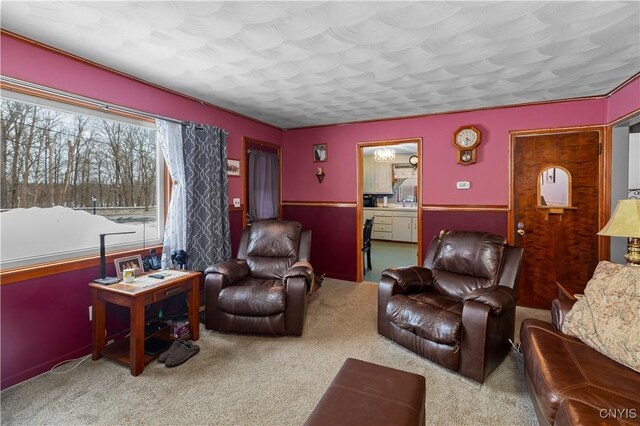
384, 155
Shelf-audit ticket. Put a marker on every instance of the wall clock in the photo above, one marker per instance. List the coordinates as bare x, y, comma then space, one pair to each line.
413, 160
466, 139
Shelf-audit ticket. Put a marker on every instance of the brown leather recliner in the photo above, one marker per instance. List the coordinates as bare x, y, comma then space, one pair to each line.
459, 309
266, 289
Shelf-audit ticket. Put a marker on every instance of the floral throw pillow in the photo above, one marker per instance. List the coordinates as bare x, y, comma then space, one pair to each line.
607, 318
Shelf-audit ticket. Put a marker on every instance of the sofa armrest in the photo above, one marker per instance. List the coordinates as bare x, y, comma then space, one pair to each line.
411, 279
234, 270
302, 270
559, 309
499, 298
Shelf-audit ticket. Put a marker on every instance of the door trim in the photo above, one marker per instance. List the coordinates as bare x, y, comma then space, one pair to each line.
359, 208
604, 178
243, 174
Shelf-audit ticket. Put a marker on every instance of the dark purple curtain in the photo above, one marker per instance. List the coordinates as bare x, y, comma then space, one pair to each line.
264, 185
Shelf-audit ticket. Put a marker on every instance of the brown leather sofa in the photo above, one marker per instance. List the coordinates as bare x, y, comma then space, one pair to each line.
571, 383
459, 309
266, 289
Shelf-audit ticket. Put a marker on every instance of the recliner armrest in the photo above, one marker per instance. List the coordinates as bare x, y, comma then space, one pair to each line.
499, 298
559, 310
300, 269
233, 269
412, 279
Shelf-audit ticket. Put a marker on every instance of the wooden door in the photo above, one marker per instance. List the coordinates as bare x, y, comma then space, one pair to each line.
560, 247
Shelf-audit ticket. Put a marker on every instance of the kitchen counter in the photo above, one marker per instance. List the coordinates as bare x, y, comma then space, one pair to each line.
394, 208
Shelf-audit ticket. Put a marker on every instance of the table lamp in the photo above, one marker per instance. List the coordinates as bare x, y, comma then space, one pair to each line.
104, 279
625, 222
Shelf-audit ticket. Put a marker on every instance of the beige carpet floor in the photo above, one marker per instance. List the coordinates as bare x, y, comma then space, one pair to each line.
253, 380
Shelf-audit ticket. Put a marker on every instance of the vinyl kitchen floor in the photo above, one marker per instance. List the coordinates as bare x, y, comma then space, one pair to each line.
387, 254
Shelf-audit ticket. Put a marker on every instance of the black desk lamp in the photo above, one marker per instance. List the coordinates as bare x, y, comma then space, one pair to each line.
104, 279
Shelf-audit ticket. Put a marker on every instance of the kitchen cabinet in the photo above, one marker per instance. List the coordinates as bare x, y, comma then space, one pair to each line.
414, 229
367, 176
402, 228
382, 225
401, 171
383, 183
393, 224
376, 177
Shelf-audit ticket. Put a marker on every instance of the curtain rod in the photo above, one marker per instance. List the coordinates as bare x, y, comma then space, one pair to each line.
101, 105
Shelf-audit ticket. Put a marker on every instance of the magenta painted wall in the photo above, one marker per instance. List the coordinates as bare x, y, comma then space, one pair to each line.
488, 177
624, 101
435, 221
26, 61
333, 239
45, 320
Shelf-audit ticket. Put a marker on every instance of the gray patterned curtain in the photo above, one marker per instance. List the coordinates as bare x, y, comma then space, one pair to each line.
207, 207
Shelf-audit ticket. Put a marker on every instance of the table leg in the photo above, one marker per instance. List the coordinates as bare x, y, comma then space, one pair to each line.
136, 348
98, 325
194, 308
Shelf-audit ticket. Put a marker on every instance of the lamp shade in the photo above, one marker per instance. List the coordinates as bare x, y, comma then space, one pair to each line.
625, 221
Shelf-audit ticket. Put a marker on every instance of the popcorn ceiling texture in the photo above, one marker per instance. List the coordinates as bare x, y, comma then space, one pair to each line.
295, 64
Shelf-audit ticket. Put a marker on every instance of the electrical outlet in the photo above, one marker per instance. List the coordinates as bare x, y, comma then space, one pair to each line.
90, 313
236, 202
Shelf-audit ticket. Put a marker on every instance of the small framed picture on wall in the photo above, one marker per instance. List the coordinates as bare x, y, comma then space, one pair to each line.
320, 152
233, 167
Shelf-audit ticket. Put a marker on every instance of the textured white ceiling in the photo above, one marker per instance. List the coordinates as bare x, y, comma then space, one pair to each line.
295, 64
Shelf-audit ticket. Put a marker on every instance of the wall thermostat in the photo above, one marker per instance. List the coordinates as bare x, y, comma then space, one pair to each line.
463, 185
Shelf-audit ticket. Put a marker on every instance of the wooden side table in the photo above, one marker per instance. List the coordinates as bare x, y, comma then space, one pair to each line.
131, 351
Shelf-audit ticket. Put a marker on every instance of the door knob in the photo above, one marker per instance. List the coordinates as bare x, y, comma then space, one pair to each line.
520, 231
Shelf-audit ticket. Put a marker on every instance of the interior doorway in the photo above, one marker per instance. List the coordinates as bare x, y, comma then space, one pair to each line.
262, 181
625, 172
389, 201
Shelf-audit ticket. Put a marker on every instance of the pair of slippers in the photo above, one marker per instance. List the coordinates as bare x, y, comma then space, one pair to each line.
178, 353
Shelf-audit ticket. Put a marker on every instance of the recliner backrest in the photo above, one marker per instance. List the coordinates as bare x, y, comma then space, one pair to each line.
464, 261
272, 247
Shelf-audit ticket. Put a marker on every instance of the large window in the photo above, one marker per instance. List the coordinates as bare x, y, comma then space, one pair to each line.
69, 174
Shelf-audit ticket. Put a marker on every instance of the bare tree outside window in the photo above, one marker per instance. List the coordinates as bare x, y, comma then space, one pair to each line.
53, 158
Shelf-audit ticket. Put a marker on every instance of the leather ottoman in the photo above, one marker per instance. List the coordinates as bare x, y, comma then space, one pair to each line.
366, 394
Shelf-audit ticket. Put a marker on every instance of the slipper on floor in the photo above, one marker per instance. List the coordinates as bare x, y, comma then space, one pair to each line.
164, 355
181, 353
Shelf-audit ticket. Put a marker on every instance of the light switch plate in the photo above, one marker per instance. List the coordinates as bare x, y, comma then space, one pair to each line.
463, 185
236, 202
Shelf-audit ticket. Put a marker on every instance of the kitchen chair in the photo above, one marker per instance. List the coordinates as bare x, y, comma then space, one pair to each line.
366, 244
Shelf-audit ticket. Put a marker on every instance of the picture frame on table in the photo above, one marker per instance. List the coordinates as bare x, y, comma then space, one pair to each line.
320, 152
233, 167
128, 262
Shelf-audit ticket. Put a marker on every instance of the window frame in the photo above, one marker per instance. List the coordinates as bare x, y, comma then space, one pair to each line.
89, 257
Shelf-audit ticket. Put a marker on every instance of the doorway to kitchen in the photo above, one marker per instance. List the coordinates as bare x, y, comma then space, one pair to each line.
389, 206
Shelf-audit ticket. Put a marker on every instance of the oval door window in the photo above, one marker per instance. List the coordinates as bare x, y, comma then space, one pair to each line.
554, 187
